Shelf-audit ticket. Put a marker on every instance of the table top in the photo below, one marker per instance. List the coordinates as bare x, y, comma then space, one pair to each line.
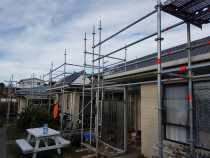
38, 132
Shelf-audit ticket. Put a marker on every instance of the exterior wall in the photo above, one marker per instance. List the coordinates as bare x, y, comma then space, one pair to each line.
73, 100
56, 100
66, 107
139, 113
149, 124
75, 108
149, 120
22, 103
79, 81
30, 83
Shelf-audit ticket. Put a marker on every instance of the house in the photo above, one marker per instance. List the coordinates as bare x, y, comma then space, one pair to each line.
68, 94
30, 83
36, 96
141, 77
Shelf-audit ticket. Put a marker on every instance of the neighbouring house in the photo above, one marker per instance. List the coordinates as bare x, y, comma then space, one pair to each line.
68, 94
142, 108
36, 96
30, 83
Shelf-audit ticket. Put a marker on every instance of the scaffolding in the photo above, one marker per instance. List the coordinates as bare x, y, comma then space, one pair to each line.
199, 17
11, 90
65, 85
98, 92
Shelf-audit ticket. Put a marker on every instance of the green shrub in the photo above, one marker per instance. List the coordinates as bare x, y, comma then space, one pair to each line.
35, 116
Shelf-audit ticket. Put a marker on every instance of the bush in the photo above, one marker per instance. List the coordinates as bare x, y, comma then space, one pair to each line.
35, 116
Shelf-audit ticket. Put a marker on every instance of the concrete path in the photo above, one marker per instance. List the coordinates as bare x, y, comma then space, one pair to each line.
133, 152
3, 142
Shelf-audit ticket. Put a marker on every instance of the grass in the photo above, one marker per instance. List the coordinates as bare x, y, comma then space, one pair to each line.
13, 134
3, 121
14, 151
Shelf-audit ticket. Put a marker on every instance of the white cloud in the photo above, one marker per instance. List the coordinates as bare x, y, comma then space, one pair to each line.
35, 33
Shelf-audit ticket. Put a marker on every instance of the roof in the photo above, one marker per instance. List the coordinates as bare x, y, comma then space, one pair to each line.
30, 79
172, 57
68, 79
194, 11
36, 91
95, 81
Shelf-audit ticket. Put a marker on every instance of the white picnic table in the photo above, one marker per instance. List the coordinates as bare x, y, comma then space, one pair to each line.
37, 133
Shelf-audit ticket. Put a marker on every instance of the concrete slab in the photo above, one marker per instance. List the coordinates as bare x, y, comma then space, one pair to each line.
133, 152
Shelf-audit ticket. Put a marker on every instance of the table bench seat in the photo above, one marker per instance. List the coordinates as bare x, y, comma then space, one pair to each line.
63, 142
24, 146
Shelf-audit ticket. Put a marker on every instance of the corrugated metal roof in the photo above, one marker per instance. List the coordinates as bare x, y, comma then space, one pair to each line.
172, 57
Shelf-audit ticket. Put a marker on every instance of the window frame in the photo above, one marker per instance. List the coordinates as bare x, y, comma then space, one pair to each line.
165, 115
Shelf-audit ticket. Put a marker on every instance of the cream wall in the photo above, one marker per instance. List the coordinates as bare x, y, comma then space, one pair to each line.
149, 123
139, 113
22, 103
75, 108
149, 120
73, 100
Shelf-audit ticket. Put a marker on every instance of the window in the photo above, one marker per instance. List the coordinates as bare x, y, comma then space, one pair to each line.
176, 113
176, 105
202, 114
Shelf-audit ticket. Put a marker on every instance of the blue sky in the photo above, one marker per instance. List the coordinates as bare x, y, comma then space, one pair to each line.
35, 33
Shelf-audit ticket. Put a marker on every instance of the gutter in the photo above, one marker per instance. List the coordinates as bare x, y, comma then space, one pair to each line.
153, 69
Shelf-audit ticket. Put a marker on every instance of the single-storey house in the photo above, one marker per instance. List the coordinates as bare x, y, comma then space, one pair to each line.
68, 94
175, 125
30, 83
35, 96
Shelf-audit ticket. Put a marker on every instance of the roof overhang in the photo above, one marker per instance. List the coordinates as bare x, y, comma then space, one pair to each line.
37, 97
149, 72
58, 88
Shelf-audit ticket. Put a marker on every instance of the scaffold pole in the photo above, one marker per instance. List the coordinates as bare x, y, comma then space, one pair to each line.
142, 39
50, 80
83, 92
190, 92
98, 91
63, 89
159, 38
92, 79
